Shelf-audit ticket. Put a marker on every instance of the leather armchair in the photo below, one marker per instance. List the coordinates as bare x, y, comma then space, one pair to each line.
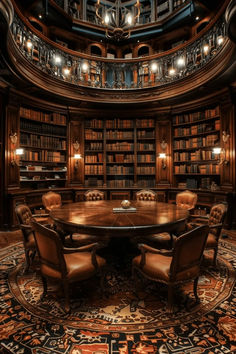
51, 200
186, 200
146, 194
65, 265
215, 222
94, 195
174, 267
25, 217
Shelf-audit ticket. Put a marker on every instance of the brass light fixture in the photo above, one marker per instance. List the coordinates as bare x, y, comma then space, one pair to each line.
221, 152
77, 154
117, 17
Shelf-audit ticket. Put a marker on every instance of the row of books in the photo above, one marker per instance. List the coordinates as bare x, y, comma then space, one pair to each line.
93, 169
208, 141
146, 170
194, 168
195, 116
122, 146
43, 155
198, 155
42, 128
93, 182
119, 123
41, 141
121, 170
145, 147
120, 183
93, 135
93, 146
94, 123
196, 129
146, 182
119, 134
143, 134
145, 123
94, 158
127, 158
55, 118
146, 158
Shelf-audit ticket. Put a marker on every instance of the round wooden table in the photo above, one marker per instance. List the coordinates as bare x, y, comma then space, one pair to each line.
98, 218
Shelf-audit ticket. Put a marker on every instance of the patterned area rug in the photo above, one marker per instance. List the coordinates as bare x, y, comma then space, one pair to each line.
126, 319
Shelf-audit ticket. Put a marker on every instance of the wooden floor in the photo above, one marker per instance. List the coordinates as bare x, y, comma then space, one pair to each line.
9, 237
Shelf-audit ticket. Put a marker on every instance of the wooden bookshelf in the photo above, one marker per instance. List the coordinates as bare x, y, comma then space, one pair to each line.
120, 153
195, 134
43, 136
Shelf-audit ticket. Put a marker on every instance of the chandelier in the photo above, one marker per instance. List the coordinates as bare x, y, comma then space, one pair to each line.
117, 18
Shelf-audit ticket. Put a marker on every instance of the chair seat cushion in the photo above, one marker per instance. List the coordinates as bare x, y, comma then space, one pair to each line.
78, 264
157, 266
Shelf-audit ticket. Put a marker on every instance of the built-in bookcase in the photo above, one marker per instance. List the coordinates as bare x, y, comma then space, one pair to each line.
120, 153
195, 134
43, 137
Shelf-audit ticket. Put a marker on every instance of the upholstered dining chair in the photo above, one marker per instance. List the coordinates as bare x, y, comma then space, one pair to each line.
65, 265
95, 194
174, 267
215, 221
84, 239
24, 217
186, 200
146, 194
51, 200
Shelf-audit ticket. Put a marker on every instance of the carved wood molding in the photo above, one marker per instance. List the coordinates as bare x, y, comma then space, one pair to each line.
211, 71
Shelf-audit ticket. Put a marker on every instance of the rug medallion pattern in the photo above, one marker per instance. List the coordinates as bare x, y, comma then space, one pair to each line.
126, 319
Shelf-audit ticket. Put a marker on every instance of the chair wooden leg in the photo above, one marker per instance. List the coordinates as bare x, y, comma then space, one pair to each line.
170, 307
27, 261
45, 287
215, 256
195, 289
66, 293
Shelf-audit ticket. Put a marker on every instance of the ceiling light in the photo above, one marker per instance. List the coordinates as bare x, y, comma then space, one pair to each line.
206, 48
66, 71
57, 59
84, 66
154, 67
180, 62
29, 44
172, 71
220, 40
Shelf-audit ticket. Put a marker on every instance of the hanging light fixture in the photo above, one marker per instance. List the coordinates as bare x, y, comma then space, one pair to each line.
117, 18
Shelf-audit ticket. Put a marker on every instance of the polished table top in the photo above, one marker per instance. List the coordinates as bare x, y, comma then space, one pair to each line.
98, 217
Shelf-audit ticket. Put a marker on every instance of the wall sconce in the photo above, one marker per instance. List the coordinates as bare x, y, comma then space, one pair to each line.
222, 151
18, 152
77, 155
162, 156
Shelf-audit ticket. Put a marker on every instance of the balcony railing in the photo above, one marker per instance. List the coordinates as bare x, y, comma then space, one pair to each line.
83, 70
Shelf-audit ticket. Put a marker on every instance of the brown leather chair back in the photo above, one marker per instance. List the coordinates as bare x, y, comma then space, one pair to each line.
24, 217
217, 216
51, 200
94, 195
187, 254
49, 247
146, 194
186, 199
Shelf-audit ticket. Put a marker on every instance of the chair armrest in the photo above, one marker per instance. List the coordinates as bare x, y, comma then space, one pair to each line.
40, 215
216, 226
26, 227
91, 247
145, 248
85, 248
